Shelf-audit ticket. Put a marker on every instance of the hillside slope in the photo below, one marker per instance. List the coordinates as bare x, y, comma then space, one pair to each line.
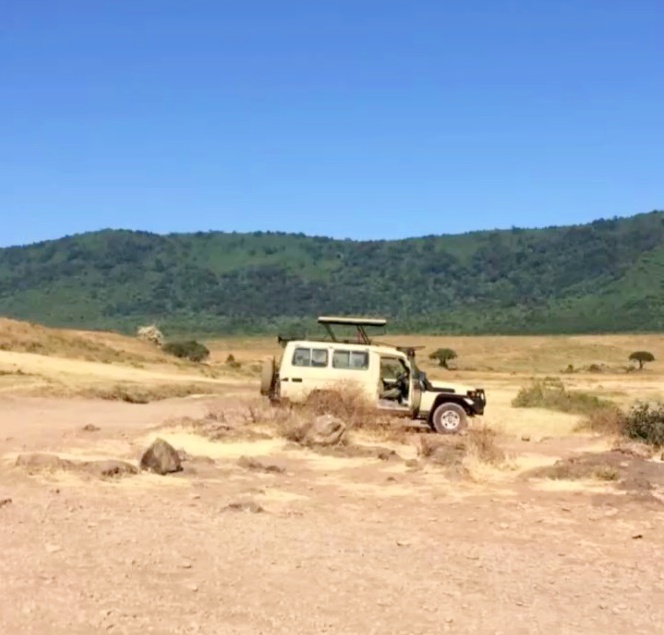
604, 276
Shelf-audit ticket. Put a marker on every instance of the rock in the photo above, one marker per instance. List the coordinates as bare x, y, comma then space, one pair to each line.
151, 334
525, 438
110, 468
91, 428
325, 430
40, 462
5, 501
161, 458
387, 455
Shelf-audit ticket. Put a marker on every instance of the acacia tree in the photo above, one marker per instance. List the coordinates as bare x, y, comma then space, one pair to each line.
443, 355
642, 357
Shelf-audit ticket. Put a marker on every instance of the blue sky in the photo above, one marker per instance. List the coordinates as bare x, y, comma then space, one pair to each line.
350, 118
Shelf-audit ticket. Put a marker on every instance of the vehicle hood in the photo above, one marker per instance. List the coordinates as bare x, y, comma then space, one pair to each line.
446, 386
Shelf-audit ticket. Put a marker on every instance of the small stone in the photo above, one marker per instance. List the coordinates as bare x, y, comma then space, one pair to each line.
403, 543
249, 507
53, 549
5, 501
193, 588
91, 428
526, 438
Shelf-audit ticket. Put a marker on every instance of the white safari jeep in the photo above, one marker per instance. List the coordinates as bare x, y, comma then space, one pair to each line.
388, 375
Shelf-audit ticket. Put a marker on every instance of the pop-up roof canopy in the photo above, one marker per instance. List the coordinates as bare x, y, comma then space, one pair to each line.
353, 321
359, 323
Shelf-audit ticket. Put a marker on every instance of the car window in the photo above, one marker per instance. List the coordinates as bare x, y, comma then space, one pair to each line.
302, 357
316, 357
353, 360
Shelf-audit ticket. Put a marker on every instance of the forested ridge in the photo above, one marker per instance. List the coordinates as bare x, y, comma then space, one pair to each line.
603, 276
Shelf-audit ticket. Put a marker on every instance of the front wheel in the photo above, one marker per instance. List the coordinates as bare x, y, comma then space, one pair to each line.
449, 418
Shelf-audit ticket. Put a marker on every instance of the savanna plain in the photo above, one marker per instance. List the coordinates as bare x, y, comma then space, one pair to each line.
545, 517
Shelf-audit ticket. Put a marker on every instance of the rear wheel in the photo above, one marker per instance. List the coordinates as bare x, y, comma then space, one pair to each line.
449, 418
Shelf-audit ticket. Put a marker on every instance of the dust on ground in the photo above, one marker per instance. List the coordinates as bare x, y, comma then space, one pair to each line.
257, 535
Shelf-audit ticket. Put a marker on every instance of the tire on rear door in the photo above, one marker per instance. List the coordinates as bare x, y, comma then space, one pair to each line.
268, 377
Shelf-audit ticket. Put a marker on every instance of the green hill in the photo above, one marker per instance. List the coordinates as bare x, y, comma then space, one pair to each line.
604, 276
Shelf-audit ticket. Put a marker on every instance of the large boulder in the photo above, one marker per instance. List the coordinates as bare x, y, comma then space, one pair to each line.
325, 430
161, 458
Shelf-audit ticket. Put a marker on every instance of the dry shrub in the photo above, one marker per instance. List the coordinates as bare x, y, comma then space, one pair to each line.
479, 445
606, 473
609, 420
344, 400
552, 395
645, 423
443, 450
222, 420
482, 444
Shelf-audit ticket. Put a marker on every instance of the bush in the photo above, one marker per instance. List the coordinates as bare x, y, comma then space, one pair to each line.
232, 362
645, 422
443, 355
191, 350
642, 357
554, 396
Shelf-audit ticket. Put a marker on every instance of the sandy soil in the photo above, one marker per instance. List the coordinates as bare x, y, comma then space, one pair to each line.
343, 545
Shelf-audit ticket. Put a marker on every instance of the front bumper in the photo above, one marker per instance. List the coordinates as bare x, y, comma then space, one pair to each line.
478, 398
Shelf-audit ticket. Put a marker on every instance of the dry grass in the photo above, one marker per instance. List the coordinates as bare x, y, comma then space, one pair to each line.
478, 446
138, 393
551, 394
483, 444
24, 337
501, 354
609, 421
606, 473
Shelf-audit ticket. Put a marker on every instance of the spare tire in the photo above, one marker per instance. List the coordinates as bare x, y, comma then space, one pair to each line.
268, 376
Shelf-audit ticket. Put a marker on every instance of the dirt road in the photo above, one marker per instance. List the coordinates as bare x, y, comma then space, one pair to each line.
343, 545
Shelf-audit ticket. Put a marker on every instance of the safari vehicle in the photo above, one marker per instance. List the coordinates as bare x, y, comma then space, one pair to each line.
388, 376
